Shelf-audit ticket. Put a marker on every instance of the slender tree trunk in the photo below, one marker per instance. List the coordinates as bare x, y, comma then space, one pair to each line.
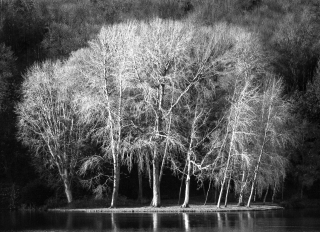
274, 192
240, 200
227, 165
265, 196
156, 202
181, 183
261, 152
115, 138
149, 174
227, 193
187, 190
224, 180
165, 150
243, 185
68, 192
228, 186
205, 202
140, 193
216, 191
256, 172
67, 186
189, 153
116, 183
204, 190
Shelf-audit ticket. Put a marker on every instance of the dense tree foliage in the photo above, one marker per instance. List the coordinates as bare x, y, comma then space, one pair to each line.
49, 121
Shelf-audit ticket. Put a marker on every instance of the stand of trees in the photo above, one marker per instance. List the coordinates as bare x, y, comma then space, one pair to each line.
160, 89
170, 87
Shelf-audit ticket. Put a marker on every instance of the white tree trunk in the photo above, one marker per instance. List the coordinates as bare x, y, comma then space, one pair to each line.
243, 184
116, 183
156, 201
67, 187
227, 193
187, 190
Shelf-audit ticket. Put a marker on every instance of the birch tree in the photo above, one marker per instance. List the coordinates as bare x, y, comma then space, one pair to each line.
160, 67
48, 121
200, 103
240, 120
274, 134
198, 129
106, 67
238, 66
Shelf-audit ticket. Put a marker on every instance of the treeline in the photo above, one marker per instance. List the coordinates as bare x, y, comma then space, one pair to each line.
164, 94
221, 92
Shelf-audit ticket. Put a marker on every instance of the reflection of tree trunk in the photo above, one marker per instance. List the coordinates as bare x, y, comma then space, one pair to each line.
140, 193
114, 222
251, 223
69, 221
186, 221
155, 221
220, 222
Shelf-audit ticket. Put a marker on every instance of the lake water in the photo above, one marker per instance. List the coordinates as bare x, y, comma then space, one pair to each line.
273, 221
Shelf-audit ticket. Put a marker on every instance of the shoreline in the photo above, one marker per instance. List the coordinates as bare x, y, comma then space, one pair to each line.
172, 209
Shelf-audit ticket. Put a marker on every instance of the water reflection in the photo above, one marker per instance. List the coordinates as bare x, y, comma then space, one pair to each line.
186, 222
155, 219
275, 221
114, 222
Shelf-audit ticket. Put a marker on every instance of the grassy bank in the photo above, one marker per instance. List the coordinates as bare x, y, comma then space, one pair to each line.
168, 208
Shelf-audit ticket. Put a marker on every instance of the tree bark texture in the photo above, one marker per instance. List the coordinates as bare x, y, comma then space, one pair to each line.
187, 190
156, 201
116, 183
67, 187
